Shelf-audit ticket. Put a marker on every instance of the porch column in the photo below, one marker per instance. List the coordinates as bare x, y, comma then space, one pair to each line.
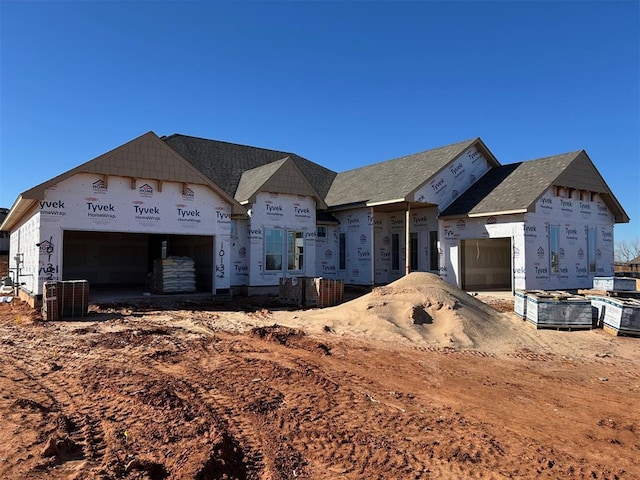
407, 242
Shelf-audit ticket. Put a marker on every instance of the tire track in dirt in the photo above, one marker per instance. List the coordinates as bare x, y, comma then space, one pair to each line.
174, 396
358, 451
67, 433
78, 426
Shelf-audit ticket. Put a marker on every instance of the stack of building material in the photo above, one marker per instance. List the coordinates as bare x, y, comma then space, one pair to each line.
291, 291
558, 309
520, 301
311, 292
618, 316
327, 292
68, 299
614, 284
174, 275
624, 287
50, 310
73, 298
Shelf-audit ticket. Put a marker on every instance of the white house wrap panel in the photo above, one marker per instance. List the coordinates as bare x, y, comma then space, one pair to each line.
240, 252
85, 202
382, 247
584, 245
454, 179
26, 257
453, 231
284, 214
327, 253
356, 226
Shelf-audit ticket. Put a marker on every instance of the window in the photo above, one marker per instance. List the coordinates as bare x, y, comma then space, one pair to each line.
321, 231
413, 238
591, 249
295, 250
342, 251
553, 248
273, 249
395, 251
433, 251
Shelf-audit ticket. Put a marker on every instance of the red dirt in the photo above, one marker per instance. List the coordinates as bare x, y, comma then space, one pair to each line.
181, 394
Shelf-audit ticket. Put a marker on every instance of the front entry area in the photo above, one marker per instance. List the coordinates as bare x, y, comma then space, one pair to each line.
125, 260
486, 264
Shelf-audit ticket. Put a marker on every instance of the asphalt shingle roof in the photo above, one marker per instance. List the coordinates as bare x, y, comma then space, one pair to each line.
281, 176
393, 179
517, 186
510, 187
252, 180
224, 163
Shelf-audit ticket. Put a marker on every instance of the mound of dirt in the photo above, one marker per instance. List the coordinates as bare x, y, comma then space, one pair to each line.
419, 308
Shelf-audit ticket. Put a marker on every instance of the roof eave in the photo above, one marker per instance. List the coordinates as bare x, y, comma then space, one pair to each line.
19, 208
485, 214
514, 211
385, 202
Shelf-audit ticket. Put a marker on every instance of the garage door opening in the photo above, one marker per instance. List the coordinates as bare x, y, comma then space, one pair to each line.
125, 260
486, 264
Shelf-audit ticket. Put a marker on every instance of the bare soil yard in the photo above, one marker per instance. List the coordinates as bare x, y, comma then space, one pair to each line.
415, 380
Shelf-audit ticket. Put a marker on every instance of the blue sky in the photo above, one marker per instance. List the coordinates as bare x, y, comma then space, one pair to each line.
344, 84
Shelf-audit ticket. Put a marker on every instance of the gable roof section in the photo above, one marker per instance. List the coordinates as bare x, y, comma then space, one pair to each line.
396, 180
515, 188
224, 163
143, 157
282, 176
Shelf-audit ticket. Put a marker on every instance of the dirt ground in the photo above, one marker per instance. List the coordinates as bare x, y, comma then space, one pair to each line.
416, 380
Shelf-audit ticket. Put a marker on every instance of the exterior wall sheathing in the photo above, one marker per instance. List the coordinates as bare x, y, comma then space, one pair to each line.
283, 212
86, 202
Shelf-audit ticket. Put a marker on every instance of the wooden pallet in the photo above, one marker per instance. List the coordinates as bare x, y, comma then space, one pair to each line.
619, 333
611, 293
558, 327
623, 293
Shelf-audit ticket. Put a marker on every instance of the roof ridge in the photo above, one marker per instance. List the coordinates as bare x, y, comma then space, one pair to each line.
166, 137
270, 164
573, 153
442, 147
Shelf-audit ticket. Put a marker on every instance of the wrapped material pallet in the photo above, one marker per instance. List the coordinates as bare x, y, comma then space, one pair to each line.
174, 275
50, 301
311, 292
559, 310
618, 316
67, 299
520, 302
614, 283
73, 298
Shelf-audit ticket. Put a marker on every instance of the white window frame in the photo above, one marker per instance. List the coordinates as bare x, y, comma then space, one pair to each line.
268, 253
295, 250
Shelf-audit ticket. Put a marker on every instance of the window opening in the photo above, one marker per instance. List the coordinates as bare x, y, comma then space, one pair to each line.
553, 248
273, 249
395, 251
591, 248
295, 250
413, 245
434, 258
